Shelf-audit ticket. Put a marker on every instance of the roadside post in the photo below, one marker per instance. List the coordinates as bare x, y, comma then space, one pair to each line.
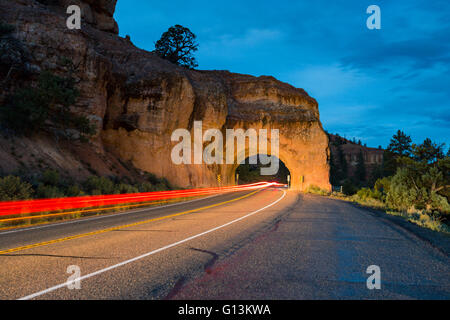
219, 180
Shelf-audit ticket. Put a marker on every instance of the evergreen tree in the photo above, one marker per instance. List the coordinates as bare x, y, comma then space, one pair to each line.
177, 45
389, 163
360, 173
334, 171
400, 144
342, 163
428, 151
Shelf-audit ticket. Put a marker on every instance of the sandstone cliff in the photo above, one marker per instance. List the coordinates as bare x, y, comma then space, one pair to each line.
341, 147
137, 100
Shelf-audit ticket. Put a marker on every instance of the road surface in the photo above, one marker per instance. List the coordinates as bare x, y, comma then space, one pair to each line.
272, 244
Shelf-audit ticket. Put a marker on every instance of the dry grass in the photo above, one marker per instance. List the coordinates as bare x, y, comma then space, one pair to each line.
420, 218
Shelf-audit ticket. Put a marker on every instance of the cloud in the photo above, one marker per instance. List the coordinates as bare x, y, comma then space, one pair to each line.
251, 38
324, 81
236, 43
414, 53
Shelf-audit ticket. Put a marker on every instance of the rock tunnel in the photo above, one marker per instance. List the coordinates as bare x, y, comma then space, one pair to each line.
221, 101
307, 162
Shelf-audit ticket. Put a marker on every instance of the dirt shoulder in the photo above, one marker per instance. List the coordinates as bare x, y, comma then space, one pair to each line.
438, 240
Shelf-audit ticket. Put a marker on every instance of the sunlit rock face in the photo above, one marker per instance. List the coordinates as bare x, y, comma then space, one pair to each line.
137, 99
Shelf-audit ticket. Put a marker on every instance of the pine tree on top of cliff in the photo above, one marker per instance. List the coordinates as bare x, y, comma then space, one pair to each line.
177, 45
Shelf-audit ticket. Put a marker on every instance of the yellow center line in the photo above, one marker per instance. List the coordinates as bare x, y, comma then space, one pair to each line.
30, 246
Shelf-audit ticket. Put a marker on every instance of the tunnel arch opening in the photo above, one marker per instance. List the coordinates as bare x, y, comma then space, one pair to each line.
246, 172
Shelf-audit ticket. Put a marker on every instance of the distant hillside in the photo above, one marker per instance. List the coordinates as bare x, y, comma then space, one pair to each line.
345, 155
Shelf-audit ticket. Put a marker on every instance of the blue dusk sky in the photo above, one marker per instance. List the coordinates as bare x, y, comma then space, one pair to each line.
369, 83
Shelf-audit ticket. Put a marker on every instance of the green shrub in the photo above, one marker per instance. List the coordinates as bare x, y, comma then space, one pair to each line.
25, 111
145, 187
50, 185
349, 188
153, 179
158, 184
317, 190
32, 109
5, 29
48, 192
102, 185
363, 193
13, 188
412, 188
427, 221
84, 126
367, 193
440, 202
50, 178
99, 185
160, 187
124, 188
74, 191
383, 185
401, 196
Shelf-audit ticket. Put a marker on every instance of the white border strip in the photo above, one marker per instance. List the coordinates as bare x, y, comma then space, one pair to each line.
40, 293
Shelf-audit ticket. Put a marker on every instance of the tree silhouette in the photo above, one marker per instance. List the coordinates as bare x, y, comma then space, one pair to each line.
360, 173
400, 144
177, 45
428, 151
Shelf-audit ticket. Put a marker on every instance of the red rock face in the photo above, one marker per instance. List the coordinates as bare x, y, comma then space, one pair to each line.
372, 157
137, 99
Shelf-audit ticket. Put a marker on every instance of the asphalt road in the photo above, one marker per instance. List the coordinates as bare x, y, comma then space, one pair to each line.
274, 244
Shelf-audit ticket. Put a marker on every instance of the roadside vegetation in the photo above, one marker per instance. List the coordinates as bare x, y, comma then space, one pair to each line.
50, 184
413, 182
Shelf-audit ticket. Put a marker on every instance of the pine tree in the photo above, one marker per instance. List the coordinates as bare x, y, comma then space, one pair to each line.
400, 144
428, 151
343, 172
360, 173
178, 45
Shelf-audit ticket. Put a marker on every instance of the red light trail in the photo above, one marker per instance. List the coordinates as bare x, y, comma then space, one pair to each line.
10, 208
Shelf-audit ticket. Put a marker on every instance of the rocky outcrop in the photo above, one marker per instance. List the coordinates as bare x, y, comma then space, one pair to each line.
351, 151
137, 99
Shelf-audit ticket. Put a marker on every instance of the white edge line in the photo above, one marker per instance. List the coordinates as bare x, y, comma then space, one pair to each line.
59, 286
106, 215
